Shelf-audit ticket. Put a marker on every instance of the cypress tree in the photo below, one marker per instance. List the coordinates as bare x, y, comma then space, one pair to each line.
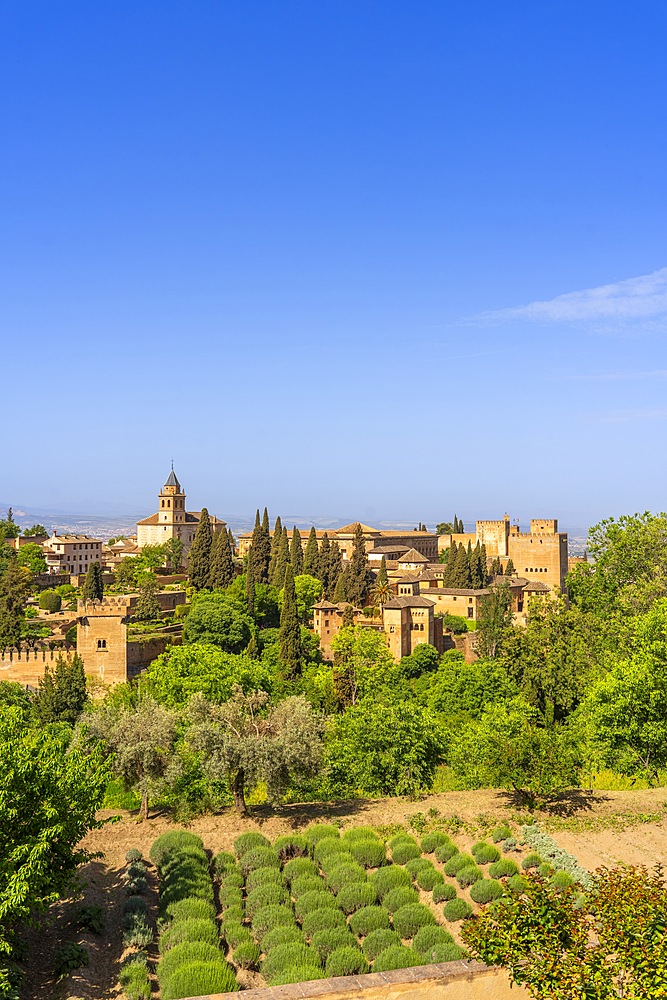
275, 545
93, 585
335, 568
477, 579
382, 577
222, 563
250, 584
460, 569
509, 568
323, 563
289, 634
62, 694
199, 561
340, 593
496, 567
282, 561
348, 616
148, 607
261, 543
311, 555
296, 552
252, 649
232, 540
358, 579
483, 565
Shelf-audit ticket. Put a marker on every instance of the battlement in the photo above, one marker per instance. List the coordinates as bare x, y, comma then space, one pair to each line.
544, 526
108, 607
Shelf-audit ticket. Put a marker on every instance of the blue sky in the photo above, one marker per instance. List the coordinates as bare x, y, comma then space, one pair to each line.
376, 259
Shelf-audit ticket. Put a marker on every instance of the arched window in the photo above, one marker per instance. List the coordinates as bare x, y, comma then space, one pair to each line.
101, 644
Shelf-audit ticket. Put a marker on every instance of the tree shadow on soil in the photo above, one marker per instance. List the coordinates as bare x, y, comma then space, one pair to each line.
565, 804
301, 814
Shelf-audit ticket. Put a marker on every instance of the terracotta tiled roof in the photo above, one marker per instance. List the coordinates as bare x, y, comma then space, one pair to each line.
409, 601
412, 556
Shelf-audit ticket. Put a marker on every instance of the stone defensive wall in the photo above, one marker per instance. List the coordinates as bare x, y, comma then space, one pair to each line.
26, 666
460, 980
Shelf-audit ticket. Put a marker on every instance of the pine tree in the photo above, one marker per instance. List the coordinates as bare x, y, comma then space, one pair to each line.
358, 578
289, 635
335, 569
275, 545
199, 559
296, 552
311, 555
62, 694
282, 561
222, 563
324, 563
250, 584
93, 585
509, 568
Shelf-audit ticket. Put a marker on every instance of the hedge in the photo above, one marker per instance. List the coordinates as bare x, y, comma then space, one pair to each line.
403, 852
182, 954
50, 601
297, 867
485, 854
456, 909
224, 862
248, 842
284, 956
396, 957
246, 954
457, 862
369, 853
485, 890
175, 840
182, 909
259, 857
197, 979
428, 878
264, 876
270, 917
346, 961
444, 853
386, 879
361, 833
378, 941
293, 845
318, 899
408, 919
355, 895
503, 868
433, 840
281, 935
345, 874
264, 895
306, 883
188, 930
369, 918
442, 893
401, 896
318, 832
429, 936
322, 920
330, 938
416, 865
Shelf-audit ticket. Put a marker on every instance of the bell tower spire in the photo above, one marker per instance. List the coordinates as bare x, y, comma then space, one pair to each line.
171, 501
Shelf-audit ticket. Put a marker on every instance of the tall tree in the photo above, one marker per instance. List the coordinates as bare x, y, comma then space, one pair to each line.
222, 563
358, 579
496, 567
250, 584
261, 544
62, 694
275, 545
335, 568
291, 653
459, 569
311, 564
147, 608
340, 592
14, 591
483, 564
509, 568
477, 577
494, 624
382, 590
173, 550
282, 560
199, 561
232, 540
93, 586
296, 552
324, 563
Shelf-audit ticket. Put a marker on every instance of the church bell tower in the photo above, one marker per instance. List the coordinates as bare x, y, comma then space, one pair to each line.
171, 503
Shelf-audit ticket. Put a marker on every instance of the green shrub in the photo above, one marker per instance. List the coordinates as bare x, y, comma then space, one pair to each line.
236, 934
330, 845
401, 896
281, 935
314, 834
360, 833
234, 877
391, 877
485, 890
284, 956
264, 895
445, 852
322, 920
69, 957
457, 862
246, 955
396, 957
562, 880
500, 832
188, 930
444, 953
297, 867
297, 974
138, 933
181, 954
355, 895
545, 869
224, 862
137, 984
91, 918
485, 854
319, 899
510, 844
174, 840
517, 883
292, 845
264, 876
408, 919
346, 961
503, 868
234, 915
198, 979
231, 896
401, 838
416, 865
345, 874
442, 893
270, 917
378, 941
135, 870
456, 909
403, 851
431, 841
259, 857
468, 876
306, 883
369, 918
135, 904
334, 860
327, 940
428, 878
531, 860
50, 601
248, 842
429, 936
137, 886
369, 853
134, 854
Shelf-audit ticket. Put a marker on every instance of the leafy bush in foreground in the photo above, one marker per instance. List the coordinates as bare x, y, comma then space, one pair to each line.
456, 909
401, 896
386, 879
485, 854
403, 851
285, 956
174, 840
369, 853
485, 890
355, 895
409, 919
248, 842
346, 961
297, 867
264, 895
503, 868
468, 876
378, 941
270, 917
442, 893
264, 876
188, 930
316, 900
427, 937
327, 940
396, 957
345, 874
445, 852
314, 834
182, 954
457, 862
428, 878
281, 935
246, 954
198, 979
306, 883
297, 974
431, 841
320, 920
369, 918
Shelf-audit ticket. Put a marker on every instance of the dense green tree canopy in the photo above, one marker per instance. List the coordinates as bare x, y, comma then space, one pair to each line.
202, 667
217, 619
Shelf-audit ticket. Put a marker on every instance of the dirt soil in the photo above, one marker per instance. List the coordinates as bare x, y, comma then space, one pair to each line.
599, 828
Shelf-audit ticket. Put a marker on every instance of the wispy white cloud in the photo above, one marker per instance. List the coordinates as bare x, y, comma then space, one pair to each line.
641, 300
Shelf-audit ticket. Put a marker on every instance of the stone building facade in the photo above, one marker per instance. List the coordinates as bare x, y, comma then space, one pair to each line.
375, 539
172, 520
406, 621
